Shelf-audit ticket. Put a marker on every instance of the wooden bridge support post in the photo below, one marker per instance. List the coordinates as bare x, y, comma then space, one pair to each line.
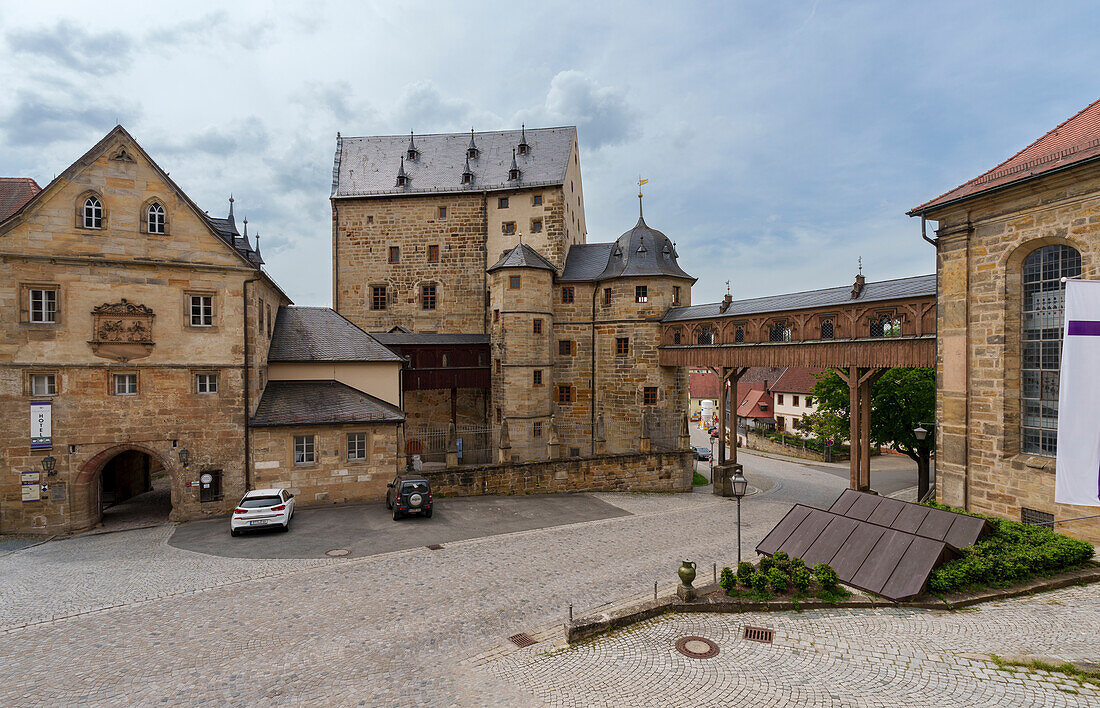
859, 380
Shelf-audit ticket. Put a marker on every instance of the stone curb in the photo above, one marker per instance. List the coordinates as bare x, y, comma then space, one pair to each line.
586, 627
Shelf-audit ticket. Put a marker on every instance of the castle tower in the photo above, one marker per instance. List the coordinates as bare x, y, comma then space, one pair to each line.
521, 286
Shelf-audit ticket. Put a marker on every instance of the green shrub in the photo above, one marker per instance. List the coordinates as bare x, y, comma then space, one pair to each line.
826, 576
797, 563
744, 573
727, 580
766, 564
777, 580
759, 581
1011, 553
782, 561
802, 578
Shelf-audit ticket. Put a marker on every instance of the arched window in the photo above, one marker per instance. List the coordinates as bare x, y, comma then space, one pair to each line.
93, 213
739, 335
827, 329
886, 326
154, 218
1042, 312
676, 337
706, 336
780, 332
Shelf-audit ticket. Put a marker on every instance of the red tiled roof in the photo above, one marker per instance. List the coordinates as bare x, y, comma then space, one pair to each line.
797, 379
750, 408
703, 385
1075, 140
15, 192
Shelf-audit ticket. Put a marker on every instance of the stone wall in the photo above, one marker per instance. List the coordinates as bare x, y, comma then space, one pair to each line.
365, 229
433, 407
981, 251
634, 472
332, 478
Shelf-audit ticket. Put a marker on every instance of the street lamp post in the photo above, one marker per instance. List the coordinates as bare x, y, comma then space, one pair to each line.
921, 433
740, 485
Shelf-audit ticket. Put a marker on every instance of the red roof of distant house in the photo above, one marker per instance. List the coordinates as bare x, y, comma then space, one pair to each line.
702, 385
797, 379
1076, 140
750, 406
15, 192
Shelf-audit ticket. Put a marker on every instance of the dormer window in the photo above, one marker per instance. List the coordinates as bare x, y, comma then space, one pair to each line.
402, 178
93, 213
467, 175
154, 218
524, 148
412, 153
513, 171
471, 149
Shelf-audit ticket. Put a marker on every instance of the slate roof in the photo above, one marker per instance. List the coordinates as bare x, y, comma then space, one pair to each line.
368, 166
15, 192
428, 338
1074, 141
797, 379
917, 286
641, 252
320, 403
585, 261
523, 256
321, 334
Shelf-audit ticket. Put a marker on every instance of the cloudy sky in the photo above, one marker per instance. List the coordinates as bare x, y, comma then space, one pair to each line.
782, 140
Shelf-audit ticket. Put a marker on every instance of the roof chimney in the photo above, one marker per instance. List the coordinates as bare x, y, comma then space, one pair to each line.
857, 287
727, 300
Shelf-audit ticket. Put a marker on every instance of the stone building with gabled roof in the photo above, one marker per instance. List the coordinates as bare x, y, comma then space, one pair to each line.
483, 234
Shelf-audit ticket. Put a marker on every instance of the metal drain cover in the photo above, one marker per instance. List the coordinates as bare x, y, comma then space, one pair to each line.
759, 634
337, 552
697, 647
522, 640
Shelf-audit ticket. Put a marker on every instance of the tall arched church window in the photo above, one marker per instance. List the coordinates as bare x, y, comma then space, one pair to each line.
1042, 311
154, 218
93, 213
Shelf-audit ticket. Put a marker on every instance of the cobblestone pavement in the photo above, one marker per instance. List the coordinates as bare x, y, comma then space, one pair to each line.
124, 618
886, 657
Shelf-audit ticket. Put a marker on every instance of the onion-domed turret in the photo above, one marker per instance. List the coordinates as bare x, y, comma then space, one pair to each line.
642, 252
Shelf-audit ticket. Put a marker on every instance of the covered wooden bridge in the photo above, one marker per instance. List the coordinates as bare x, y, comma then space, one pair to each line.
858, 330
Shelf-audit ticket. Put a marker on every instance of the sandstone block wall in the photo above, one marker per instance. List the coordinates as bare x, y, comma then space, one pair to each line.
635, 472
982, 248
332, 478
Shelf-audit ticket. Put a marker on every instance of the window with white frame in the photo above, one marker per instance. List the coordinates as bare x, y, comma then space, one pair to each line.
93, 213
357, 446
43, 385
304, 450
202, 310
43, 305
206, 383
125, 384
154, 219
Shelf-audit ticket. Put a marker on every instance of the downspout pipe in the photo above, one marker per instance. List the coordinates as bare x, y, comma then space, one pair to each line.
247, 396
595, 293
936, 245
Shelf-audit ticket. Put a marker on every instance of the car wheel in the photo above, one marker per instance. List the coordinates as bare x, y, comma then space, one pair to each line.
396, 515
389, 504
234, 532
428, 514
286, 526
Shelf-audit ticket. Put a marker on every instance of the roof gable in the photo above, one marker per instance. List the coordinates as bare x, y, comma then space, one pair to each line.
15, 192
523, 256
304, 334
1075, 140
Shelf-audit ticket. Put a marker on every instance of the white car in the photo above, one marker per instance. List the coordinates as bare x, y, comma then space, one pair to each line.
262, 508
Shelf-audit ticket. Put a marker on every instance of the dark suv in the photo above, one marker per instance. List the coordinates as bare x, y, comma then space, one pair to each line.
409, 494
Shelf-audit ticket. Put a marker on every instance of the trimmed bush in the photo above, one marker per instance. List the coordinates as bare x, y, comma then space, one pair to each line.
777, 580
826, 577
727, 580
759, 581
802, 578
797, 563
744, 573
1012, 552
765, 564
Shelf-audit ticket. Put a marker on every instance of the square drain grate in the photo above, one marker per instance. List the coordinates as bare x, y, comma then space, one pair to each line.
435, 547
759, 634
521, 640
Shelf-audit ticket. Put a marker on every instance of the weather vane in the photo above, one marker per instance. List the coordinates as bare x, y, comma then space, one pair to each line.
727, 287
860, 260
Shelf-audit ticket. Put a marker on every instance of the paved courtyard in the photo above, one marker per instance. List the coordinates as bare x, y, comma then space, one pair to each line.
130, 618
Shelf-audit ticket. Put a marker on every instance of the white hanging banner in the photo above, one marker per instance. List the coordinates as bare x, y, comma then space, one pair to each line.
1077, 478
41, 425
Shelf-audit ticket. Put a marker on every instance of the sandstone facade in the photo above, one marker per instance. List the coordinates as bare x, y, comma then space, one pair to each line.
982, 464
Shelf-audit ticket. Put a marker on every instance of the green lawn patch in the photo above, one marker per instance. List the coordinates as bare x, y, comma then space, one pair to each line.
700, 480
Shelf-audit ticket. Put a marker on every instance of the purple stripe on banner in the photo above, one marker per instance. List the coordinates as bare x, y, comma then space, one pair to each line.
1084, 328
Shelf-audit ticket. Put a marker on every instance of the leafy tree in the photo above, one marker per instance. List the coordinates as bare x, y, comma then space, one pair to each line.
901, 400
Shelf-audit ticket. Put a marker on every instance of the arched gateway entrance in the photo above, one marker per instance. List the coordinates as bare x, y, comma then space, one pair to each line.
126, 486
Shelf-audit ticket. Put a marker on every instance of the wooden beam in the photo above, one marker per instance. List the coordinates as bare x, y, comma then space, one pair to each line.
853, 428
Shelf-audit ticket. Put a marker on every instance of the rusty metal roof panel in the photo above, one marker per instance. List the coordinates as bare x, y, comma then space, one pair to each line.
965, 531
844, 502
936, 524
863, 507
855, 550
807, 532
911, 517
882, 560
913, 569
829, 543
886, 512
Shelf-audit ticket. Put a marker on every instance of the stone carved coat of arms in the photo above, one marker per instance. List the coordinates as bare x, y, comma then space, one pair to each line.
122, 331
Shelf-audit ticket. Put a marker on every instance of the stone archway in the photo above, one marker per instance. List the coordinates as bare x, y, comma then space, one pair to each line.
123, 486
